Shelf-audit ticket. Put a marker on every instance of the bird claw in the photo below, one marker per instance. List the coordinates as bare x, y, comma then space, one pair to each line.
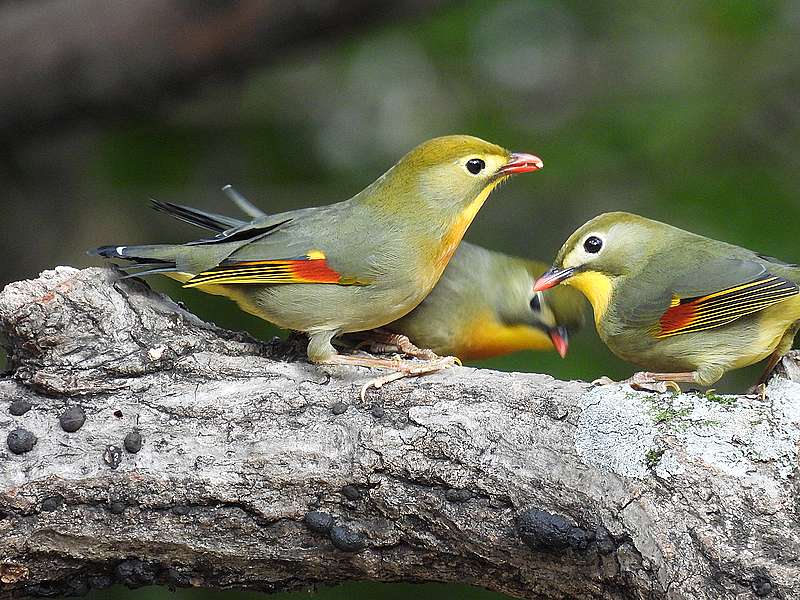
759, 390
379, 382
407, 369
603, 381
659, 387
647, 383
387, 343
642, 382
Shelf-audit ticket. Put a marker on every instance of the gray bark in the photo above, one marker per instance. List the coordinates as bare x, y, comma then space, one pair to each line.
262, 473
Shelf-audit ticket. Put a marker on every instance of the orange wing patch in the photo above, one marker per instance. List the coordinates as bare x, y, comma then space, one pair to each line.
311, 268
688, 315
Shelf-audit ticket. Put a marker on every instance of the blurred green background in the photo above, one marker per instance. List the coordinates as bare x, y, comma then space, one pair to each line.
684, 112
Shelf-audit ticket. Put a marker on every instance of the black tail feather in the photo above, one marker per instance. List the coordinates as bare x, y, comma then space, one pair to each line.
142, 266
196, 217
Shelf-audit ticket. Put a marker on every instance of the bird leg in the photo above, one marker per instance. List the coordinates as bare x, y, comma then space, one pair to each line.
400, 368
773, 361
760, 387
380, 341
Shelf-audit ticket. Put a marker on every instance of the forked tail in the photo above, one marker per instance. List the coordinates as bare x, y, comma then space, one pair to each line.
171, 258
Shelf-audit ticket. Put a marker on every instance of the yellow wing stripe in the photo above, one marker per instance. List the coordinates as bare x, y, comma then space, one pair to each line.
311, 268
733, 290
743, 303
714, 310
715, 319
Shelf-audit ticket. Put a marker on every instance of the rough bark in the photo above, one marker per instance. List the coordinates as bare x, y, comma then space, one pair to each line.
259, 473
66, 59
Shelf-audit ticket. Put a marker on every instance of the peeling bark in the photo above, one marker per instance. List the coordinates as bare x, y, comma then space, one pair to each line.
207, 459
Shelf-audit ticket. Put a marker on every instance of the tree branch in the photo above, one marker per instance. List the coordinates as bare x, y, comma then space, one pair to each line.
259, 473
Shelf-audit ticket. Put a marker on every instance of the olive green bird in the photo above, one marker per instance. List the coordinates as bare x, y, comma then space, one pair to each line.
682, 305
484, 306
350, 266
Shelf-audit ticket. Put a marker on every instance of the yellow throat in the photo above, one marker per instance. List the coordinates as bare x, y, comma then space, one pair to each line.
484, 337
453, 237
596, 287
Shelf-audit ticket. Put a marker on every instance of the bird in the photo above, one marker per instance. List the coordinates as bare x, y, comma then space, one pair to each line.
483, 306
350, 266
683, 306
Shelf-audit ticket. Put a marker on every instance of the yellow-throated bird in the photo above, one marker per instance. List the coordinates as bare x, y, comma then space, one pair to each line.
671, 301
484, 306
351, 266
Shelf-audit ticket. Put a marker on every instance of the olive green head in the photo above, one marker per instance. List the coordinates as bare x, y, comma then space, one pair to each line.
448, 172
609, 246
614, 244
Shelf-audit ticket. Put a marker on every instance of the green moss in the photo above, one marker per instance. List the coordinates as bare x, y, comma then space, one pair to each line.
724, 400
669, 414
652, 457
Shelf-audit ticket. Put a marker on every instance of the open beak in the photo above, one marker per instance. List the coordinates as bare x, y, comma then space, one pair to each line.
521, 163
560, 338
552, 278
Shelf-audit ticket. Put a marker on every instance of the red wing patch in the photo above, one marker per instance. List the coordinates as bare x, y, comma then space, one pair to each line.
311, 268
687, 315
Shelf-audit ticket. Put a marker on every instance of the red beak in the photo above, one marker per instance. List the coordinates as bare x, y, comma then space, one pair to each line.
560, 339
521, 163
552, 278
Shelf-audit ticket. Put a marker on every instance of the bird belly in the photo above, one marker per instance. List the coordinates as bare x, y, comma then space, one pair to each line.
773, 322
321, 307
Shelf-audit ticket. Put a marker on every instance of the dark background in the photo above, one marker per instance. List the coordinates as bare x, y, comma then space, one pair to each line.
683, 112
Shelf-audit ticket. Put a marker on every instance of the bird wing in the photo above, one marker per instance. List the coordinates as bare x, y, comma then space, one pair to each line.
319, 245
714, 294
686, 315
312, 267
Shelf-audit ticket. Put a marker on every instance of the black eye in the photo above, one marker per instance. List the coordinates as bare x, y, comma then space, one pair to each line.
593, 244
536, 304
475, 165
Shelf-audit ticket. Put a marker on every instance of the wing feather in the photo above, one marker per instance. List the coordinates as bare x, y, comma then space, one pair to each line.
687, 315
310, 268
